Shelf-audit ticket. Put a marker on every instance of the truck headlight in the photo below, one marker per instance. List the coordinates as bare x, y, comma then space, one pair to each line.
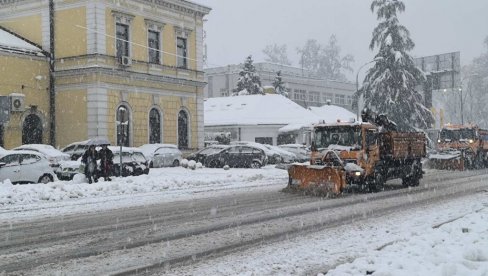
471, 141
357, 173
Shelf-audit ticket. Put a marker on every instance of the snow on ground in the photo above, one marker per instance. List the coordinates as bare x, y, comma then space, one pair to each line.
426, 240
161, 185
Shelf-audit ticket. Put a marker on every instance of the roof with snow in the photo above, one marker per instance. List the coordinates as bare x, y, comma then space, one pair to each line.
10, 42
268, 109
325, 114
332, 113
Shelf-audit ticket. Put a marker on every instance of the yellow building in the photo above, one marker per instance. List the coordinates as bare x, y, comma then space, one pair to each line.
144, 57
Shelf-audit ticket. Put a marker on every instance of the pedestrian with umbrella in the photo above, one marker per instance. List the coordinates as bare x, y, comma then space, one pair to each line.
106, 162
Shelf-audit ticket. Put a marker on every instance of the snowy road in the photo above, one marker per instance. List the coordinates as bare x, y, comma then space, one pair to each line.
156, 238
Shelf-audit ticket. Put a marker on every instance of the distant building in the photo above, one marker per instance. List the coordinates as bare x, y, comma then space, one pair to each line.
267, 119
303, 87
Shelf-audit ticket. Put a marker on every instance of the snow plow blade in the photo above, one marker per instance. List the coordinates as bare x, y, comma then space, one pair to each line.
317, 180
447, 161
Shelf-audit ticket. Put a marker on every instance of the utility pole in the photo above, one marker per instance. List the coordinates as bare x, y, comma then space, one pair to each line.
52, 92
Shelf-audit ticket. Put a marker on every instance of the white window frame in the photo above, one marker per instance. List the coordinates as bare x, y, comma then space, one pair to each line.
155, 27
126, 19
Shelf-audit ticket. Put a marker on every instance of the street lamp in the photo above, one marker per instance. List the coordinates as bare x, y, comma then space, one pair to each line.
121, 122
357, 83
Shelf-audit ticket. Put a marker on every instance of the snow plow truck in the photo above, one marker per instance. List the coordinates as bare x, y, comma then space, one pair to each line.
359, 155
460, 147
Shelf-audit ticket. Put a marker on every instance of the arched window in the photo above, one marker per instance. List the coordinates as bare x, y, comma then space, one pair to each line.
154, 126
183, 130
123, 126
32, 130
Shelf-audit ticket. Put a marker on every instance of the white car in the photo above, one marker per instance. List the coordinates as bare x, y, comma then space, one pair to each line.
167, 157
149, 149
301, 151
53, 155
25, 167
286, 156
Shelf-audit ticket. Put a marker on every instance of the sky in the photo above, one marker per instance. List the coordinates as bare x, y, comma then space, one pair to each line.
235, 29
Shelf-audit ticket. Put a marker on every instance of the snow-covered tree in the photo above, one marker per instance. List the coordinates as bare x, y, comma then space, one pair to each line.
325, 61
279, 85
475, 87
277, 54
249, 81
389, 86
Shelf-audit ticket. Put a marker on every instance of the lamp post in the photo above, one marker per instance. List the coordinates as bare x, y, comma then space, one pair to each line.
357, 84
461, 96
121, 122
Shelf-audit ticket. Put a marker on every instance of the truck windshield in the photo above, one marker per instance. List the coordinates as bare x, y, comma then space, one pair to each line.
457, 134
342, 136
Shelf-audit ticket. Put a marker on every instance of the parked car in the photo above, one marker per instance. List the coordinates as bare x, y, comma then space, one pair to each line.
237, 156
149, 149
202, 154
167, 157
2, 150
53, 155
301, 151
75, 150
285, 156
274, 157
25, 167
133, 162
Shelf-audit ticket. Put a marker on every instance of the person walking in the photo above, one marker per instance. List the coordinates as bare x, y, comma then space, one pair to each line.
89, 158
106, 162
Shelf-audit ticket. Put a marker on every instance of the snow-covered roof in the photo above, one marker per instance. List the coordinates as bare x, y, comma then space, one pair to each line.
268, 109
332, 113
10, 42
325, 114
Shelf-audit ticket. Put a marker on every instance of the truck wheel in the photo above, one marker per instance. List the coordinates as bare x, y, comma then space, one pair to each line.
412, 181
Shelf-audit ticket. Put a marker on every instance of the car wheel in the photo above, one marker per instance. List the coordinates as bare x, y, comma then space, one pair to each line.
176, 163
45, 179
255, 165
213, 164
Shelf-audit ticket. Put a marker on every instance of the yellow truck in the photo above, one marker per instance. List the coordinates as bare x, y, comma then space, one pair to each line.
362, 155
461, 147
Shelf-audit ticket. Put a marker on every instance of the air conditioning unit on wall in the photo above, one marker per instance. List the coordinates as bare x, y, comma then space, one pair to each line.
17, 102
125, 61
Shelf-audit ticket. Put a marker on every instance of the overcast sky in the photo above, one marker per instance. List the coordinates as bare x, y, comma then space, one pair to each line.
238, 28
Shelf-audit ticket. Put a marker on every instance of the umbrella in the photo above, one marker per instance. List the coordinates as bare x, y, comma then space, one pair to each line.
98, 141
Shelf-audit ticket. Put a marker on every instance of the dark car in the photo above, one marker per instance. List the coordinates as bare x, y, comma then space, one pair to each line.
202, 154
133, 162
240, 156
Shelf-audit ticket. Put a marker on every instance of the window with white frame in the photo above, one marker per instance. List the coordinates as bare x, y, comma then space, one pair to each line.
122, 33
181, 52
154, 31
182, 35
340, 99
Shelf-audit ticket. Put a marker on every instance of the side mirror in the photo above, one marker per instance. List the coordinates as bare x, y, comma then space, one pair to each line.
2, 164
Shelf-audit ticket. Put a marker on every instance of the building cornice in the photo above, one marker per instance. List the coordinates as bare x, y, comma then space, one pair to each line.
128, 74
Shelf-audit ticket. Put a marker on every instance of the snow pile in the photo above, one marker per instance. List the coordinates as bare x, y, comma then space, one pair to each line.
456, 248
158, 180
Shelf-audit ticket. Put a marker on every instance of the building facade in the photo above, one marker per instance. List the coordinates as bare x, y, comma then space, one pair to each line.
303, 88
141, 60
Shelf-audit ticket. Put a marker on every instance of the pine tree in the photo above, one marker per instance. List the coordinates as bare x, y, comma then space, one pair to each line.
389, 87
249, 81
279, 85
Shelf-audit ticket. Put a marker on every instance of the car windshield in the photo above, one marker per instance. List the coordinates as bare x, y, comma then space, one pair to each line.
139, 157
340, 135
457, 134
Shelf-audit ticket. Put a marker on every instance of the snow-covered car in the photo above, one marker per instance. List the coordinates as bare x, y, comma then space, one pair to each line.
302, 152
133, 161
286, 156
274, 157
75, 150
53, 155
149, 150
22, 166
237, 156
68, 169
202, 154
167, 157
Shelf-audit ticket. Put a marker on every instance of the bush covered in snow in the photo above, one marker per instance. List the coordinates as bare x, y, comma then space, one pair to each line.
184, 163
